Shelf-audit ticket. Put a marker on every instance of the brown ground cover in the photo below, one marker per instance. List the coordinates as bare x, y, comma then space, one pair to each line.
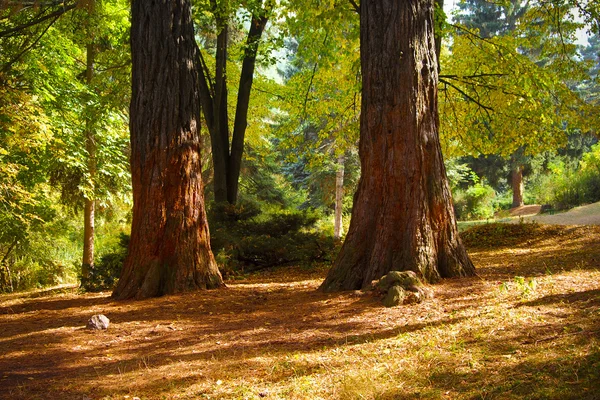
527, 327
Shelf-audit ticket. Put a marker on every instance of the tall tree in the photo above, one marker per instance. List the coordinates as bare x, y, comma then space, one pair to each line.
228, 145
402, 217
490, 19
320, 114
44, 51
170, 249
504, 84
89, 209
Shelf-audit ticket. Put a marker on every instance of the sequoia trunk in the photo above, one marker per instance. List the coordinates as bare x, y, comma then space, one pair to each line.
402, 217
169, 250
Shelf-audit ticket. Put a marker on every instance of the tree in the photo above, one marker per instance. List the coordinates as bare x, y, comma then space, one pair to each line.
78, 75
322, 102
228, 146
505, 83
169, 250
402, 217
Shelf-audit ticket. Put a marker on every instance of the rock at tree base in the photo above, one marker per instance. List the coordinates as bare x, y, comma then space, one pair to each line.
98, 322
395, 296
402, 288
398, 278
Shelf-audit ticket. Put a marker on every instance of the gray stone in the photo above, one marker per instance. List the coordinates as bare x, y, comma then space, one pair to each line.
394, 278
394, 297
98, 321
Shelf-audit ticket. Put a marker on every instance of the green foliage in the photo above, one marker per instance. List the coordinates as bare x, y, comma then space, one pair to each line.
566, 185
246, 238
42, 254
477, 202
473, 198
506, 83
525, 286
106, 272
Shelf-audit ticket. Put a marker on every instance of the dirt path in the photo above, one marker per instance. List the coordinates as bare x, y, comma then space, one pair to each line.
583, 215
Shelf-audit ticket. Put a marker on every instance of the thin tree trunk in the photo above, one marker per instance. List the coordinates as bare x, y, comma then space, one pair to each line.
4, 263
339, 198
402, 217
517, 185
227, 156
169, 249
87, 265
220, 130
257, 26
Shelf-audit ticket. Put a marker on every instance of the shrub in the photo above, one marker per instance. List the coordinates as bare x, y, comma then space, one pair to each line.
107, 271
477, 202
566, 186
245, 238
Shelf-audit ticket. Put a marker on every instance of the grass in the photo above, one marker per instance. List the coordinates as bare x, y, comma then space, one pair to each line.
528, 327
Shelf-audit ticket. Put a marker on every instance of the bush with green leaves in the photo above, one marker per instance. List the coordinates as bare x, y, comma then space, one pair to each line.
567, 185
473, 198
245, 238
106, 272
477, 202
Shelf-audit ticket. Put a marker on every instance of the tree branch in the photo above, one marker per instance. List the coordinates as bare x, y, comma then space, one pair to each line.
39, 20
468, 97
26, 49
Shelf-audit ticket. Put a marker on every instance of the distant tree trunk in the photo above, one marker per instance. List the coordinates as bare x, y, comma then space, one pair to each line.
6, 276
170, 249
87, 265
339, 198
517, 185
402, 217
227, 156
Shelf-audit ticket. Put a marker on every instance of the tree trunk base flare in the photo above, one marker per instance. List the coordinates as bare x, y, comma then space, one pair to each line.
402, 219
169, 250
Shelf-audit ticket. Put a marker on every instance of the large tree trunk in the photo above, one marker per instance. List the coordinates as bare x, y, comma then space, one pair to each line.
170, 249
402, 217
339, 198
87, 264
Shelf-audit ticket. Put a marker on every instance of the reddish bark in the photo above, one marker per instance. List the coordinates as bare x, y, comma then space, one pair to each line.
170, 249
402, 217
518, 187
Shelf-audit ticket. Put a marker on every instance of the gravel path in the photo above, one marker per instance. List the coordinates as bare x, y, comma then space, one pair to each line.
583, 215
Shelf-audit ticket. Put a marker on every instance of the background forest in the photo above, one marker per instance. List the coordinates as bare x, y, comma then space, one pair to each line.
519, 115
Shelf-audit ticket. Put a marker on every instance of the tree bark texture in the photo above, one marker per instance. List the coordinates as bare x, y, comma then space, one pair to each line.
227, 155
339, 198
87, 264
518, 187
170, 249
402, 217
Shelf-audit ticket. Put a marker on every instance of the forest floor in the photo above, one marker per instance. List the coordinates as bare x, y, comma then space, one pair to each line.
527, 327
